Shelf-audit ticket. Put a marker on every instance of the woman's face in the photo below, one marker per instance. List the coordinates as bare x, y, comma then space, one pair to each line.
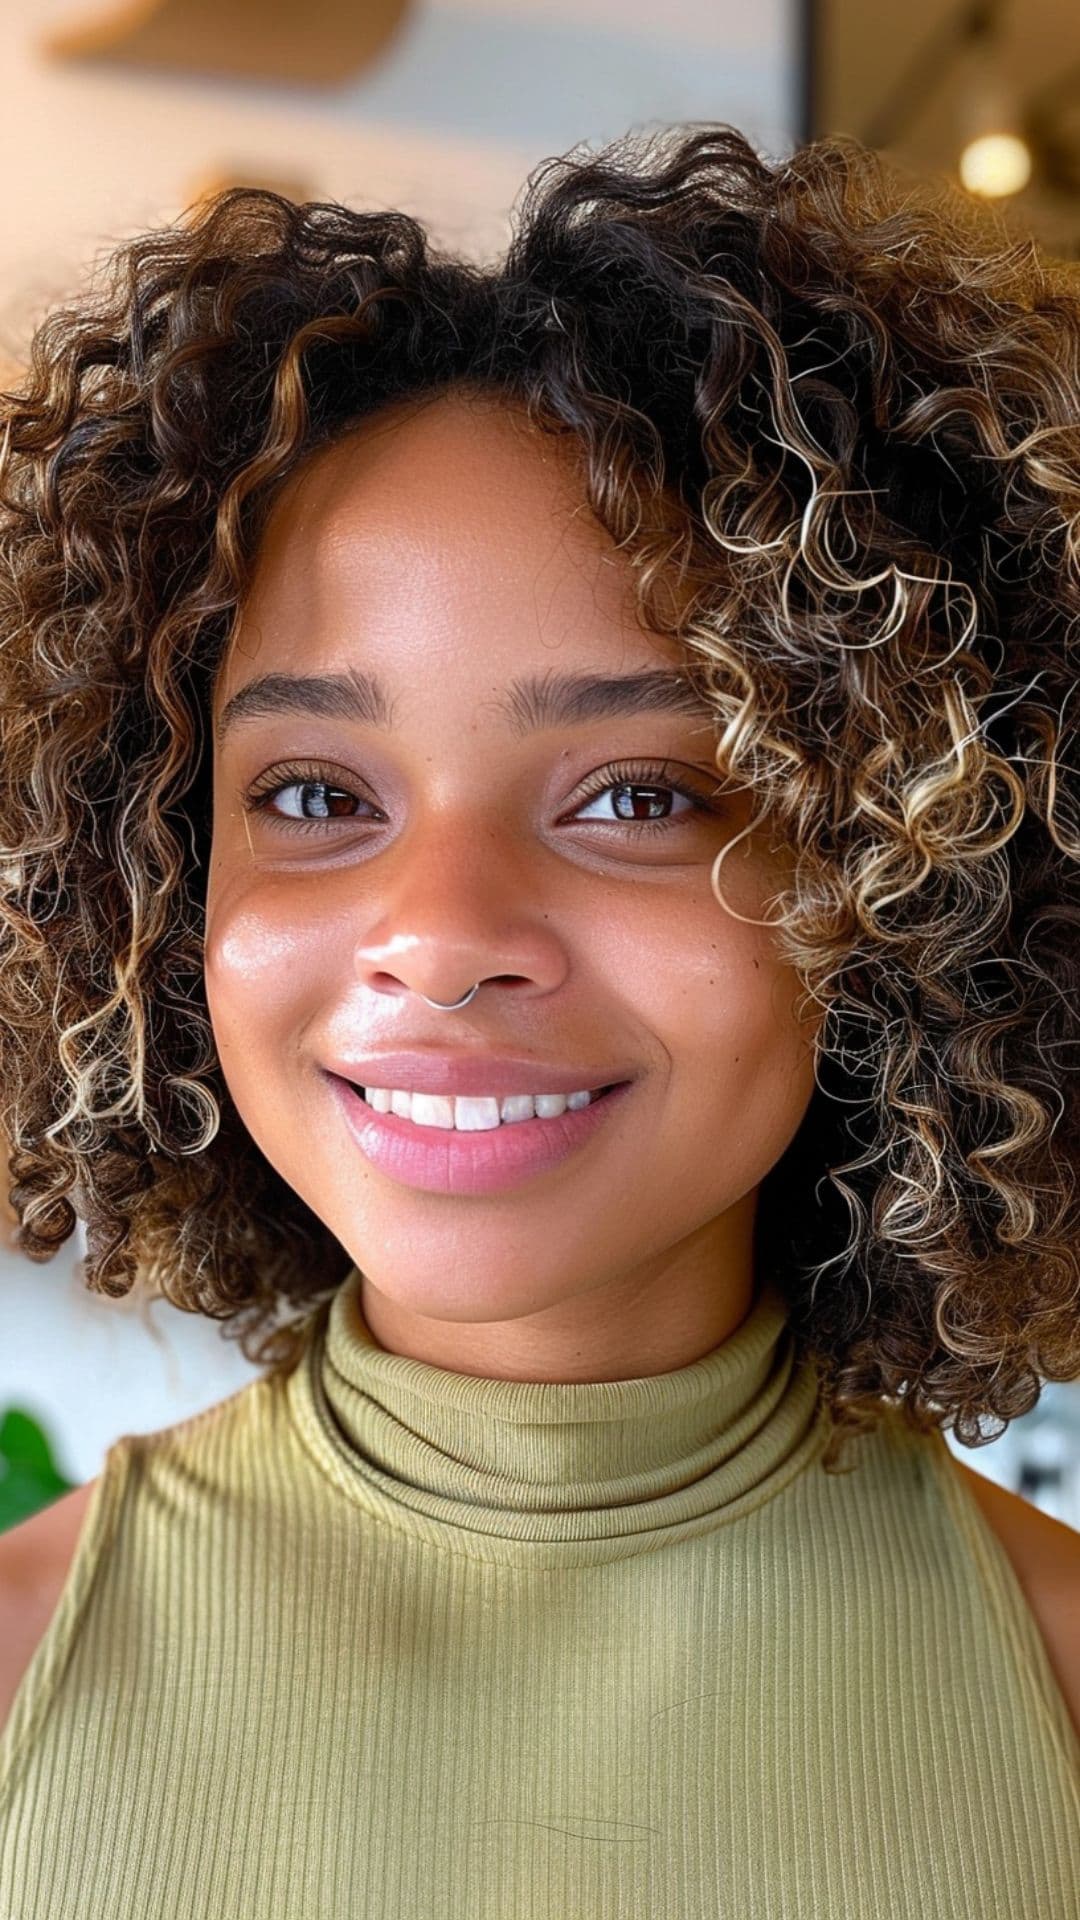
436, 829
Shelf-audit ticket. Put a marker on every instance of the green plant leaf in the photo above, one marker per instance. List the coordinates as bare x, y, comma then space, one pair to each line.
29, 1475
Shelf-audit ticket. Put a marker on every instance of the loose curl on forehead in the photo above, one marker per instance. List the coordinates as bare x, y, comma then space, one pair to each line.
831, 419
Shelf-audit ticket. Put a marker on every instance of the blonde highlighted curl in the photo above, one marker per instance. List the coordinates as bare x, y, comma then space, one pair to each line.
832, 419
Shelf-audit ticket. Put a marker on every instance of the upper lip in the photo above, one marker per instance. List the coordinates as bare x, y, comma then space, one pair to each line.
474, 1073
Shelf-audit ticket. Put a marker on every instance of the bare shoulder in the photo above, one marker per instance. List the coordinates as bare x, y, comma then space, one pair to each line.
35, 1558
1045, 1556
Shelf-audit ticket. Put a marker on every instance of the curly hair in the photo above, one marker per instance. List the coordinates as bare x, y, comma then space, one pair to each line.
837, 411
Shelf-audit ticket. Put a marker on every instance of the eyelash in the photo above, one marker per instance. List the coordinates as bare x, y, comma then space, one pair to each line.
620, 774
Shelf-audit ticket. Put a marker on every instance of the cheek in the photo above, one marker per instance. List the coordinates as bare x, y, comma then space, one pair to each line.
261, 969
264, 970
743, 1059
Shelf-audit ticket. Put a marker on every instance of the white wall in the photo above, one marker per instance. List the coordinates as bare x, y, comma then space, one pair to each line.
89, 1369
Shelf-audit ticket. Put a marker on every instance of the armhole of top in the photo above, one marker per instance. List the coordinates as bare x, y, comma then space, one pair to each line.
42, 1675
1012, 1608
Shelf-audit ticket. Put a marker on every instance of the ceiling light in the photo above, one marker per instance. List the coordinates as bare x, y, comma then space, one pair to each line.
995, 165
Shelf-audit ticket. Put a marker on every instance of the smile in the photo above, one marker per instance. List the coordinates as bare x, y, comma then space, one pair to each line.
439, 1156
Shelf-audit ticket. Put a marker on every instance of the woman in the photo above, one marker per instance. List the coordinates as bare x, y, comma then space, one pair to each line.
540, 821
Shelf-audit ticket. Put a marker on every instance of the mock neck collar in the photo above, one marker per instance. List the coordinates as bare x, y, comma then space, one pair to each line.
549, 1472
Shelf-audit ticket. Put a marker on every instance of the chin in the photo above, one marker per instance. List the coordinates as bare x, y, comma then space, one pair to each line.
461, 1309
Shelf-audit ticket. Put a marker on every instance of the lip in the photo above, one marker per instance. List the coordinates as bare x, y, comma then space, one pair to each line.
473, 1073
441, 1160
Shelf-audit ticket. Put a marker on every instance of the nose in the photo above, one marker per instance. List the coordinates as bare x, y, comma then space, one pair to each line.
447, 924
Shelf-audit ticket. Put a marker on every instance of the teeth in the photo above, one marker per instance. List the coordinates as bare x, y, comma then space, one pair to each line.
472, 1115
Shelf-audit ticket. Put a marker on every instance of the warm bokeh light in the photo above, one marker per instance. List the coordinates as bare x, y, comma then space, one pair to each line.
996, 164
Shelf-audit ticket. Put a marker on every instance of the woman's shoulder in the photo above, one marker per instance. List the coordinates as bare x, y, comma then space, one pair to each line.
1045, 1556
63, 1544
35, 1559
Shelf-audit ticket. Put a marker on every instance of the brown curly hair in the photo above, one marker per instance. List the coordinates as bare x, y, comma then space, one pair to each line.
839, 411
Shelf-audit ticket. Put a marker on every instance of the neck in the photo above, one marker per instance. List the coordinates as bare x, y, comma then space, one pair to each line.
594, 1324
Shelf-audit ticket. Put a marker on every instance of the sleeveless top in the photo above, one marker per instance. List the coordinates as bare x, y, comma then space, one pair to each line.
376, 1640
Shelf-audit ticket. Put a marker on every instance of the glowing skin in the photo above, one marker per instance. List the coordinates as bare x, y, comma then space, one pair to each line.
448, 549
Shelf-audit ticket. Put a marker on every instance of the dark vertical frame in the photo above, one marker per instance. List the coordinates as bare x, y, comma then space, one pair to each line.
807, 36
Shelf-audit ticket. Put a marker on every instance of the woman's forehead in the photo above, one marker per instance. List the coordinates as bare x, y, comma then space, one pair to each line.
452, 456
445, 529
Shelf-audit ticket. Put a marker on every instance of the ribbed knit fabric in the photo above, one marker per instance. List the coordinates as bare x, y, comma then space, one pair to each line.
386, 1642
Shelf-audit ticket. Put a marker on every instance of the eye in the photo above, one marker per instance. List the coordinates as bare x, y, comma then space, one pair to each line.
310, 787
645, 791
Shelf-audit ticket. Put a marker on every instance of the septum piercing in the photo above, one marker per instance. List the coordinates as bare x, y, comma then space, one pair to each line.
451, 1006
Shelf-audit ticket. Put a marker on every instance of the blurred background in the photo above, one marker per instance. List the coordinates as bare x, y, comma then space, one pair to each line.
122, 114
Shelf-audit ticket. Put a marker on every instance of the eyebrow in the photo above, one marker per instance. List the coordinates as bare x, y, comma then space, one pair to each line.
529, 704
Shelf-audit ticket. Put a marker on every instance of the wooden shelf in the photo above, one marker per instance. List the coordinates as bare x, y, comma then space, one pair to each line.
321, 43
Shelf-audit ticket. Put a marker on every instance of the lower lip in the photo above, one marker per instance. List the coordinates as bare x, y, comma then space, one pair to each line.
441, 1160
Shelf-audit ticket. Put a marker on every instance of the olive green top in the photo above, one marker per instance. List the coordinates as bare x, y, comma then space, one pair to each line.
381, 1641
